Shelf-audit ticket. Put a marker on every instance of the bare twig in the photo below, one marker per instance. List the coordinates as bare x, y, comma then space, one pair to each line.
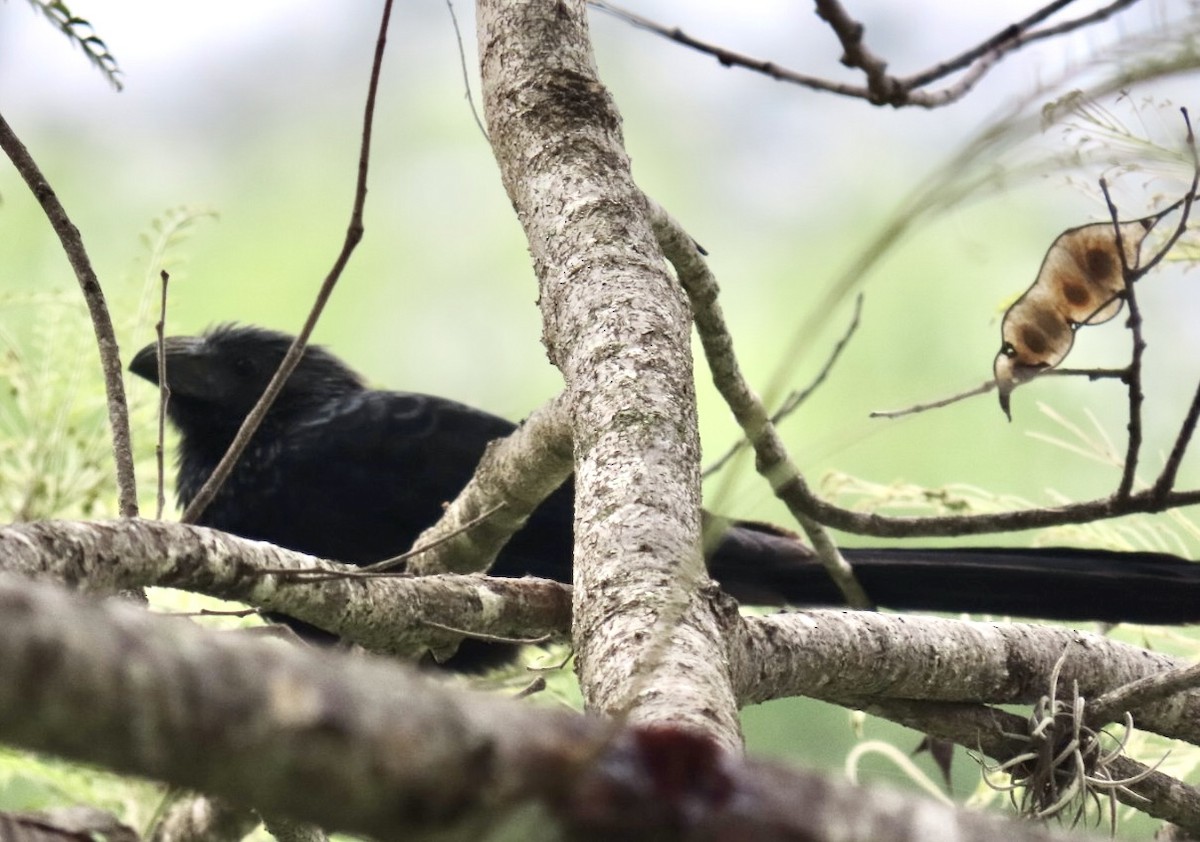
796, 398
389, 564
1187, 201
981, 389
773, 461
164, 397
462, 59
883, 88
1133, 382
950, 526
354, 233
106, 340
727, 57
1166, 479
1001, 39
386, 568
987, 386
490, 638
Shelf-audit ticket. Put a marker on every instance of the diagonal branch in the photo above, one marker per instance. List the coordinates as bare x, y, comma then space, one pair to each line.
773, 461
442, 764
106, 339
882, 88
354, 233
518, 472
646, 621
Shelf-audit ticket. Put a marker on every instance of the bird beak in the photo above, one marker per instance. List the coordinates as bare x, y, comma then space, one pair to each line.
1006, 381
185, 374
1004, 402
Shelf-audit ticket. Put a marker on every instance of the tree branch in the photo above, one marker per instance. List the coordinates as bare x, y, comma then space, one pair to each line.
883, 88
399, 615
842, 656
517, 473
773, 461
648, 642
354, 234
93, 295
322, 738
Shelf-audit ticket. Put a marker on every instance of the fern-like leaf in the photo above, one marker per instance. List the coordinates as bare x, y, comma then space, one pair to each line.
82, 34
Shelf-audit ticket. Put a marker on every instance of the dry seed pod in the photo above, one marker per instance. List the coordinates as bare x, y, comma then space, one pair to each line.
1080, 283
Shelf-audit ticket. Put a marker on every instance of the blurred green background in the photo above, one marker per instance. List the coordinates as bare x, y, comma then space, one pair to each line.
252, 111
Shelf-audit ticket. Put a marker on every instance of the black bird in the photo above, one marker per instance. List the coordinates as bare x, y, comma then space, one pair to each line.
354, 474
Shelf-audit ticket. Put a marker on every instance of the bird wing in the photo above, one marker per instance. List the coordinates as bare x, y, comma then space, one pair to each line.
357, 479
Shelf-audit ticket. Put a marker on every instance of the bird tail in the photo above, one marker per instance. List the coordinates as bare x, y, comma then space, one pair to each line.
762, 564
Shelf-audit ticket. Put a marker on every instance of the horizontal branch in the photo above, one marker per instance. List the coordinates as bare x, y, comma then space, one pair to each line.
1148, 501
840, 655
366, 746
396, 615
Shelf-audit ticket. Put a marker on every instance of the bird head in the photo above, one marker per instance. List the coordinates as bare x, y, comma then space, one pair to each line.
216, 378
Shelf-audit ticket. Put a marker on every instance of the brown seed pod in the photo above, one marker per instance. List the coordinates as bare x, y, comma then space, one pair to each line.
1080, 283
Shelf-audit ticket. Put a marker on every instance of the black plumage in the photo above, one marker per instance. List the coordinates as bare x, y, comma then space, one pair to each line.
354, 474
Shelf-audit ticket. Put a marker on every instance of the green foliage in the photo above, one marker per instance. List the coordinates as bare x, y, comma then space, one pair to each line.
36, 782
81, 33
56, 462
55, 455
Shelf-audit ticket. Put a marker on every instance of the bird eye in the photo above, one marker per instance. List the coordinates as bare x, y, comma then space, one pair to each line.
1008, 350
243, 366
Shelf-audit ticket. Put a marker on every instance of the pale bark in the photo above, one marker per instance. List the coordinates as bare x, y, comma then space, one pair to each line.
399, 615
617, 326
848, 656
363, 745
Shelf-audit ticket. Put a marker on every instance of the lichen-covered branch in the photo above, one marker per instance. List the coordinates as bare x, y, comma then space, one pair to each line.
364, 746
840, 655
397, 615
647, 638
515, 475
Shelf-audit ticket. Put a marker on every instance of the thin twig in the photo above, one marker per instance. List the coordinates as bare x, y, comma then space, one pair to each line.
1166, 479
773, 461
164, 397
1134, 381
796, 398
882, 88
989, 45
726, 57
93, 295
462, 59
489, 638
981, 389
1187, 201
1171, 467
354, 233
987, 386
953, 526
384, 569
395, 561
